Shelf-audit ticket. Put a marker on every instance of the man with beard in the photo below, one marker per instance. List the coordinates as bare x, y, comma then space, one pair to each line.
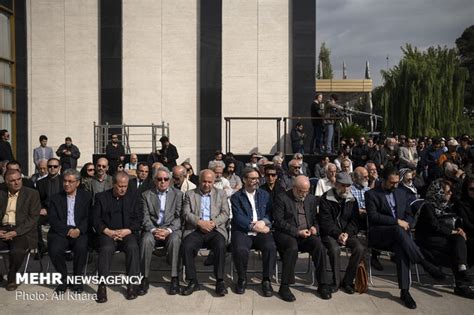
115, 153
180, 180
68, 154
339, 215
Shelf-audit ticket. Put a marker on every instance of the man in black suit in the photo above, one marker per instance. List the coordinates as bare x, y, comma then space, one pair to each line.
296, 229
68, 214
390, 220
117, 221
168, 153
6, 153
142, 182
15, 165
19, 211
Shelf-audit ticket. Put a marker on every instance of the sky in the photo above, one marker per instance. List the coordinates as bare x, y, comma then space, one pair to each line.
360, 30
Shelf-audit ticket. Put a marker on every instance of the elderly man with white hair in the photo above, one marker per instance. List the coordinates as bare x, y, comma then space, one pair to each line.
324, 184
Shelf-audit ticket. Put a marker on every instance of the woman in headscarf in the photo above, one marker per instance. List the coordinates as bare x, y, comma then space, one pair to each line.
440, 243
465, 210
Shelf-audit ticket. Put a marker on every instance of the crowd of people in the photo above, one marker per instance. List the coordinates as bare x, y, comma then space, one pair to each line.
421, 208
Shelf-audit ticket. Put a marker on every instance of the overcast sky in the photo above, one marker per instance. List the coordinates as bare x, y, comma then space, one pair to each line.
359, 30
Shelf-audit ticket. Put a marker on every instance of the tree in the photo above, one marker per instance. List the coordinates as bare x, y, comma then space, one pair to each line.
465, 45
324, 59
424, 94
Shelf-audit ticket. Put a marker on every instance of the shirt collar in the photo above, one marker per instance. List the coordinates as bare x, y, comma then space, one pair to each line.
13, 195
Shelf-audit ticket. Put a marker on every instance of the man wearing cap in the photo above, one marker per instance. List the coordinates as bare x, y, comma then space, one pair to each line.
339, 213
452, 155
168, 152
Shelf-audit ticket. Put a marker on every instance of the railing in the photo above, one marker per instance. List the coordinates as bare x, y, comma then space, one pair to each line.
134, 138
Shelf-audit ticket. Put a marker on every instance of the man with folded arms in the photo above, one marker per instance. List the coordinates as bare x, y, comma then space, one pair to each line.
161, 207
68, 217
251, 223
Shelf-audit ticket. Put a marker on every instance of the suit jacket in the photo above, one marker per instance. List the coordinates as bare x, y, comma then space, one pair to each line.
242, 214
48, 187
192, 210
38, 154
102, 214
285, 214
27, 213
132, 186
404, 157
6, 153
68, 161
57, 213
378, 209
335, 220
150, 205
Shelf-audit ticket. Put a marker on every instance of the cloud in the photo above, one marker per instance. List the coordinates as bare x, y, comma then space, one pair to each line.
360, 30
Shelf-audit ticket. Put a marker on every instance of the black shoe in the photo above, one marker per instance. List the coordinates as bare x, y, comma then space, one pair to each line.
60, 289
464, 291
433, 271
143, 287
286, 294
78, 288
348, 288
267, 288
334, 288
324, 292
209, 259
375, 263
220, 288
174, 286
192, 286
240, 286
101, 294
131, 292
407, 299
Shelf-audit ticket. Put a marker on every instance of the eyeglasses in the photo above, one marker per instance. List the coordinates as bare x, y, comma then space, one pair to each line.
91, 170
53, 166
69, 181
295, 167
101, 166
162, 179
271, 174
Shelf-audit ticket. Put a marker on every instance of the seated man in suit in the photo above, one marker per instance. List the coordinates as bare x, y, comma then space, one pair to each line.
390, 217
19, 212
68, 216
296, 229
251, 223
161, 207
339, 222
117, 221
206, 215
142, 182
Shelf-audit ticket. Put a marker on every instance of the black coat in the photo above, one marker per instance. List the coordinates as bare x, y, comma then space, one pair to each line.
48, 187
378, 209
335, 219
68, 161
57, 213
171, 155
285, 214
465, 210
6, 153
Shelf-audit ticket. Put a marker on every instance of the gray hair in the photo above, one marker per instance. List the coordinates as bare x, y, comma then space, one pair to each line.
121, 174
277, 159
161, 169
215, 164
72, 172
247, 170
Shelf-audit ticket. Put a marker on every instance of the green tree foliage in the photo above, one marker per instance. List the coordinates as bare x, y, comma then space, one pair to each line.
424, 94
465, 45
352, 130
324, 58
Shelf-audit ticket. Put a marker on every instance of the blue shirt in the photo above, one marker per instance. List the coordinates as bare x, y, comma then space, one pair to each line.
162, 202
71, 201
358, 193
206, 207
393, 205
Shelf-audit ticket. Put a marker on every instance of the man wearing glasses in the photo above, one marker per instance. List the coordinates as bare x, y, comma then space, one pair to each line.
68, 217
47, 188
272, 186
161, 207
294, 169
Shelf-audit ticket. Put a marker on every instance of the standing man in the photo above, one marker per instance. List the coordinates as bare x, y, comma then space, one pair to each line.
168, 153
115, 153
329, 109
297, 136
43, 152
19, 211
206, 215
6, 153
317, 112
68, 217
251, 223
68, 154
296, 229
118, 222
161, 227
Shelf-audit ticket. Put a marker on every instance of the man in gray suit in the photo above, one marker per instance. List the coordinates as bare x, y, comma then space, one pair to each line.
408, 156
43, 152
206, 216
161, 207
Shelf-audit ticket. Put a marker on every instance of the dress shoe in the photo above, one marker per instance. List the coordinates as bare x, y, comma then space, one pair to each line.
220, 288
348, 288
324, 292
407, 299
60, 289
433, 271
464, 291
240, 286
78, 288
12, 286
101, 294
193, 285
334, 288
286, 294
375, 263
267, 288
174, 286
143, 287
131, 292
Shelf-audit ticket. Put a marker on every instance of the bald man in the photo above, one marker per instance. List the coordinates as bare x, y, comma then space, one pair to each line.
296, 229
101, 181
180, 179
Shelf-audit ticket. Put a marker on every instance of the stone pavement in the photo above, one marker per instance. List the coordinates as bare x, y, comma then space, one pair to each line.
382, 298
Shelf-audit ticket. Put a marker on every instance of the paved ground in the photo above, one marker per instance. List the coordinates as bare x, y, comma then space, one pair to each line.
381, 298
